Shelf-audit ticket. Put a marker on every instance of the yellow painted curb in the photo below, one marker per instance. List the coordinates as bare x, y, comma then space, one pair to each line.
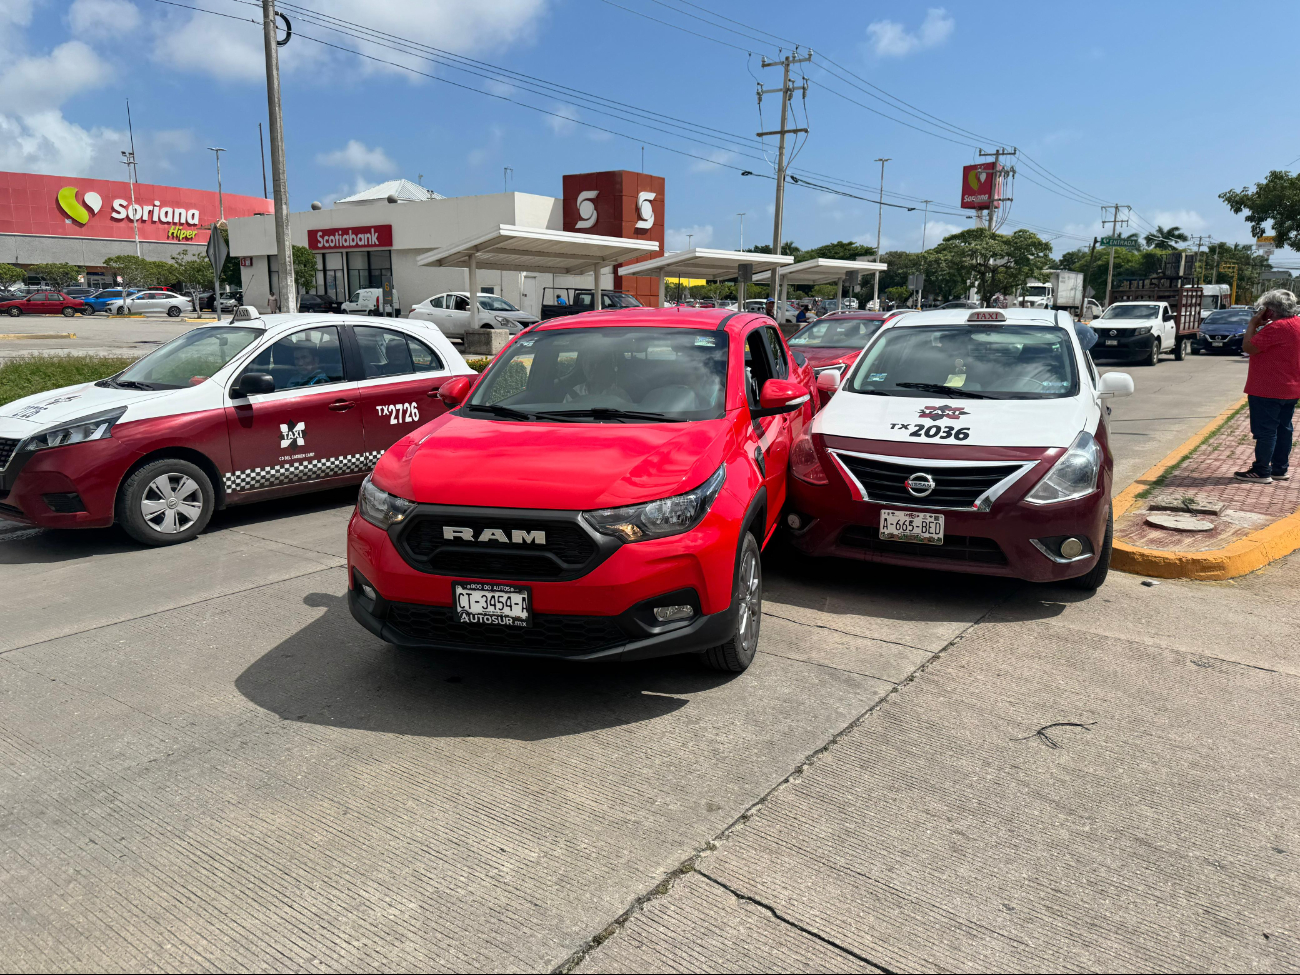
39, 335
1254, 551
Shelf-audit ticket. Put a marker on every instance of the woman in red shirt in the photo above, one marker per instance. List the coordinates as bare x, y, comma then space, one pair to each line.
1272, 341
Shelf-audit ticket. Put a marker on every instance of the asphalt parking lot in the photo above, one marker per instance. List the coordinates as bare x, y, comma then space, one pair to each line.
205, 764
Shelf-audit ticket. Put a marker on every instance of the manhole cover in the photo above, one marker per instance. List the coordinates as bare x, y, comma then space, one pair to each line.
1179, 523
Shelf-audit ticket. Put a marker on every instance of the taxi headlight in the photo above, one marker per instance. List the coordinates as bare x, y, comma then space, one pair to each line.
1073, 476
95, 427
381, 509
658, 519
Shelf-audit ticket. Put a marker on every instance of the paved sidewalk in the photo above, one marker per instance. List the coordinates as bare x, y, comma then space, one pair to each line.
1203, 483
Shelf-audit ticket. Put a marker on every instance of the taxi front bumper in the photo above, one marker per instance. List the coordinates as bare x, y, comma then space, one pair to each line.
65, 487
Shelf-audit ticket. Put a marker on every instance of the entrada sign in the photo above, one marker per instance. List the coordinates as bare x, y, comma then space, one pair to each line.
1129, 243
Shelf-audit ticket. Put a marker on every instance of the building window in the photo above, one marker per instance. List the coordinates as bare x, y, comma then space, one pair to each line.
369, 269
273, 273
335, 283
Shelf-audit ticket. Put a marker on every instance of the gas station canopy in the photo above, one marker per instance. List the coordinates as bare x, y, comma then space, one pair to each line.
823, 270
700, 262
539, 250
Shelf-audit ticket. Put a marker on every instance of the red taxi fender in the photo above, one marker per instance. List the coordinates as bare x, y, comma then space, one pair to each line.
454, 390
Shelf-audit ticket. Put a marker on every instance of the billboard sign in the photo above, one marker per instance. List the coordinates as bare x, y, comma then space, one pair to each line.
980, 186
33, 204
373, 237
619, 203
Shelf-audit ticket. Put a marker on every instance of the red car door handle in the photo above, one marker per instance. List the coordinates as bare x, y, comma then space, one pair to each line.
339, 405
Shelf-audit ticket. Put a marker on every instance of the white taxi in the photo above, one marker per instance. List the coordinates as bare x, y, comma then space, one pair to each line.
254, 408
967, 440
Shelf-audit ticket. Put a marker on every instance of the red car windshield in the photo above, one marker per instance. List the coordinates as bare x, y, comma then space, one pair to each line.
612, 374
837, 333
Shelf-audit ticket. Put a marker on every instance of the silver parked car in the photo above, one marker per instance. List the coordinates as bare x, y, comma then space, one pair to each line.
450, 312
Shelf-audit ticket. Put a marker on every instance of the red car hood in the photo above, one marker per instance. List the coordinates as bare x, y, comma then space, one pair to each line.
819, 356
567, 466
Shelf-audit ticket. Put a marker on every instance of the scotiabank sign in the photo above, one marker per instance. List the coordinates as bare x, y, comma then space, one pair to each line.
66, 206
351, 238
619, 203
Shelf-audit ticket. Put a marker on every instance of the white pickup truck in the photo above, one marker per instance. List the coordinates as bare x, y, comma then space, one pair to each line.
1139, 330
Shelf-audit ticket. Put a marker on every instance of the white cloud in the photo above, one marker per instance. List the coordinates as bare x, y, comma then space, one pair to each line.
563, 122
701, 236
103, 18
716, 160
937, 230
359, 158
46, 142
477, 157
34, 84
233, 49
499, 87
1189, 220
890, 39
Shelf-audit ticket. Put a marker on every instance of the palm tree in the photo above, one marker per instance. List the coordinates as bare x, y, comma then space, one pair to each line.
1166, 239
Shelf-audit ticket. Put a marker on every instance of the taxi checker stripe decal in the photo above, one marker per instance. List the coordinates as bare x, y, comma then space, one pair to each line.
303, 470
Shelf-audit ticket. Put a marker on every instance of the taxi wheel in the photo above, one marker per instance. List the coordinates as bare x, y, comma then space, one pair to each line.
738, 653
165, 502
1095, 576
174, 311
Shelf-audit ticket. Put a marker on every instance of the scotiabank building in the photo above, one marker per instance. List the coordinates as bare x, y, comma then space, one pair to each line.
377, 236
65, 219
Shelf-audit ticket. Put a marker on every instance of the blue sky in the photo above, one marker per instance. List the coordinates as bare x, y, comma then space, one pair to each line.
1154, 104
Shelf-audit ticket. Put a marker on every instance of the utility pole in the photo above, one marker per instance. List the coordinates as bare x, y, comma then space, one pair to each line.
742, 230
221, 200
1114, 229
925, 220
786, 92
132, 175
261, 144
1200, 276
1083, 302
880, 211
288, 296
995, 190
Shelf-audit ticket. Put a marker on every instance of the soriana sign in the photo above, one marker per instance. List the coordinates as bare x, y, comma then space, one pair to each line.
980, 186
64, 206
351, 238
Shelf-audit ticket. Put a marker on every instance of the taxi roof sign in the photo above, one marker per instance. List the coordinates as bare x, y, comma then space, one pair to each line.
245, 313
986, 315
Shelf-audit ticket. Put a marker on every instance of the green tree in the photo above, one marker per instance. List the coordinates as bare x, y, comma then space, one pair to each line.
193, 274
1168, 239
58, 276
898, 295
10, 275
988, 261
1275, 201
304, 268
839, 250
140, 272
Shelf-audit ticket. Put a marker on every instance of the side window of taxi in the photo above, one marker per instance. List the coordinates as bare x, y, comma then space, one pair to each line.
312, 357
385, 352
757, 369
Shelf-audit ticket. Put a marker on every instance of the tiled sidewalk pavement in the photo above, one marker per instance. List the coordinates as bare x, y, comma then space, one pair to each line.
1207, 475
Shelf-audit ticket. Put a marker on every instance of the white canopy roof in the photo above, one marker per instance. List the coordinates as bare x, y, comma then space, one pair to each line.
701, 262
537, 249
821, 270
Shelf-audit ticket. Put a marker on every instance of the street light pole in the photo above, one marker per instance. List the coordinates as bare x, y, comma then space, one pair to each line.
742, 230
288, 297
221, 200
880, 212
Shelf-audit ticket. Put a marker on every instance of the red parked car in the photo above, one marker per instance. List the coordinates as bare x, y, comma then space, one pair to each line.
832, 343
603, 490
45, 303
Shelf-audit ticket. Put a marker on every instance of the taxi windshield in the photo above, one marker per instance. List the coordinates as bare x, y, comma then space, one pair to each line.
1006, 362
187, 359
494, 303
611, 375
1132, 311
837, 333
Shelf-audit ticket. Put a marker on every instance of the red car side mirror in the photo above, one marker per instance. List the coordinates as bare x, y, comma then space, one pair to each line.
780, 396
454, 390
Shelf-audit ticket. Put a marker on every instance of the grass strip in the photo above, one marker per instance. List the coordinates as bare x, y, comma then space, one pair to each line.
1159, 482
40, 373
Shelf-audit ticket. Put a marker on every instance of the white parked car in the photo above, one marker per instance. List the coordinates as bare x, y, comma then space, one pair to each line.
229, 413
450, 312
168, 302
970, 440
363, 302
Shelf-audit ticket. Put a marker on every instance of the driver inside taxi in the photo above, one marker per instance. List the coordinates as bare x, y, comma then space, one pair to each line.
600, 369
306, 360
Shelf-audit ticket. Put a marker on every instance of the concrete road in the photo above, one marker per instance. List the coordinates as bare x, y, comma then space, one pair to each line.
206, 764
95, 334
